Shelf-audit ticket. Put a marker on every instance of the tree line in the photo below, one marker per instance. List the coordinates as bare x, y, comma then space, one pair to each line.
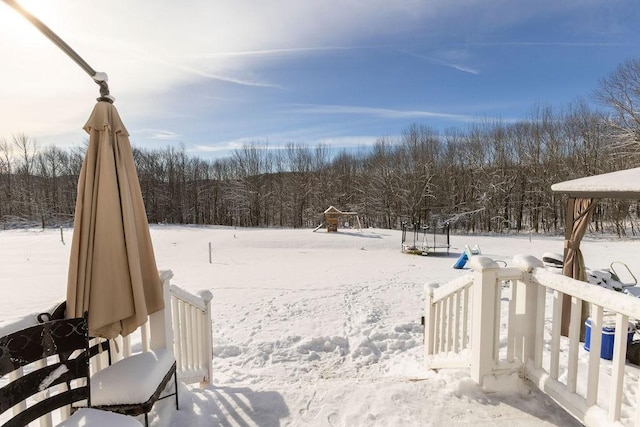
488, 177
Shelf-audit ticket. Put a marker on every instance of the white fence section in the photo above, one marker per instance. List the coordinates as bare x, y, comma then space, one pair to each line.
464, 328
192, 335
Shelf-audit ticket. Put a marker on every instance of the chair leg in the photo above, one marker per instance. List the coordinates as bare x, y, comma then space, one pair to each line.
146, 419
175, 380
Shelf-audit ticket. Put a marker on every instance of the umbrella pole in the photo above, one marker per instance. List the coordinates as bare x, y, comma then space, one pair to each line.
99, 78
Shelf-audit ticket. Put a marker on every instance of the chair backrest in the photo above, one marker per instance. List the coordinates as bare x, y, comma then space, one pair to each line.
35, 349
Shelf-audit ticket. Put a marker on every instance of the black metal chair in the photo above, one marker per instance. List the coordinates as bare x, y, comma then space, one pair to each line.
58, 382
158, 364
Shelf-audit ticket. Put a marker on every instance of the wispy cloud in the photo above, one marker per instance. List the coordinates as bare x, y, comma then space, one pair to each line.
548, 43
161, 134
229, 79
227, 146
277, 51
458, 67
197, 71
377, 112
443, 63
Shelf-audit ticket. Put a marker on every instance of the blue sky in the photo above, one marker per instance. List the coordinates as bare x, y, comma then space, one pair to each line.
214, 75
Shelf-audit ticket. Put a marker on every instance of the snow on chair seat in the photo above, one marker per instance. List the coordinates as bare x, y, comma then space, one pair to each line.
132, 385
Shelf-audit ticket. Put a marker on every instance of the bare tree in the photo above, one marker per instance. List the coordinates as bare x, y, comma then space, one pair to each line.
250, 165
6, 177
26, 148
621, 92
383, 184
300, 162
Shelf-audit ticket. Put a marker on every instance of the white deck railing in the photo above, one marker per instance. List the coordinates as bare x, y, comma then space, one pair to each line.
463, 329
193, 347
447, 320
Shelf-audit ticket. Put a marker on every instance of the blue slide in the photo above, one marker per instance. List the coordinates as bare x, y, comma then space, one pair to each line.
462, 260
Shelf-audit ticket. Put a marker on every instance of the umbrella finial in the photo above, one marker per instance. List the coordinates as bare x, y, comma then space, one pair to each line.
101, 78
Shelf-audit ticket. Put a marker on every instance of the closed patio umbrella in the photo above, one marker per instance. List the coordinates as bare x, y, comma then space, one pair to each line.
112, 269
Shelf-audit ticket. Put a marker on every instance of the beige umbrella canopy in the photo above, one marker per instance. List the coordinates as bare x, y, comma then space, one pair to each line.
112, 269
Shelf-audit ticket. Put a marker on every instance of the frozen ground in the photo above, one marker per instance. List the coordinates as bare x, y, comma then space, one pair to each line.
312, 329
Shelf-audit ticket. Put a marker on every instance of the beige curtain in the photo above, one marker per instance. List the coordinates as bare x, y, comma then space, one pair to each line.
112, 268
578, 216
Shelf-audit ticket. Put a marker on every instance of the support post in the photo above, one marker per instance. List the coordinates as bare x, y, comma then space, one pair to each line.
526, 318
429, 321
207, 346
485, 285
527, 306
160, 323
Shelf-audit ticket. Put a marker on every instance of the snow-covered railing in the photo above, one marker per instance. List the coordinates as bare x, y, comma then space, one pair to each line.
447, 318
530, 299
192, 346
186, 322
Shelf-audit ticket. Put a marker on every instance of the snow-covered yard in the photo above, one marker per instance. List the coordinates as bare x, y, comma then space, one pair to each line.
316, 329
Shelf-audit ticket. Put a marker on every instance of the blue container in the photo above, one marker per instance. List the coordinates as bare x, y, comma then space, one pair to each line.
608, 333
